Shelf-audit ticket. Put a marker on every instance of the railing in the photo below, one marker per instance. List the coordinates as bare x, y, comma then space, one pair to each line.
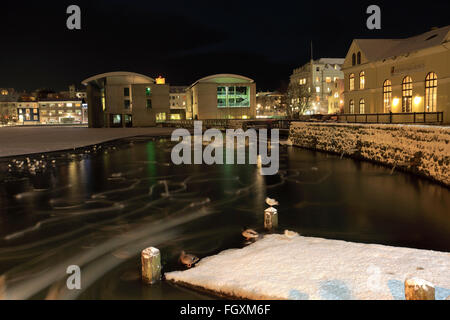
400, 118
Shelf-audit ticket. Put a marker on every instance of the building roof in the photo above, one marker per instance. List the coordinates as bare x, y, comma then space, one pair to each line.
379, 49
128, 77
330, 61
224, 78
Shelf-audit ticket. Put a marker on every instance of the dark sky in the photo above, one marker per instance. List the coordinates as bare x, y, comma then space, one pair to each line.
186, 40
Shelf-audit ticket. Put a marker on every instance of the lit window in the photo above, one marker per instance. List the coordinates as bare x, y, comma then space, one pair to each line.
387, 96
35, 110
431, 92
160, 117
317, 79
362, 80
336, 95
317, 89
407, 89
148, 91
362, 106
328, 79
352, 82
352, 106
70, 105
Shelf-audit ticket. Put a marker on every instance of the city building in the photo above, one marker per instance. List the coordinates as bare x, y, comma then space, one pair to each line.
126, 99
336, 99
222, 96
269, 105
8, 106
319, 77
28, 111
178, 103
64, 111
398, 76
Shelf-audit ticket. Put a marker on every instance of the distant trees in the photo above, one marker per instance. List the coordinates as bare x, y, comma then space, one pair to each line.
298, 98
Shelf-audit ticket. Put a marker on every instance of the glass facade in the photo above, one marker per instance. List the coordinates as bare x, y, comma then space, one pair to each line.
233, 96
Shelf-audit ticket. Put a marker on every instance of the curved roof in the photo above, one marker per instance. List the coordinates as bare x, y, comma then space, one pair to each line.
224, 78
130, 77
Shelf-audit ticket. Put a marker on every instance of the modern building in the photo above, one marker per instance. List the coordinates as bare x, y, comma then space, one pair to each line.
399, 75
336, 99
269, 105
28, 111
319, 77
178, 103
222, 96
126, 99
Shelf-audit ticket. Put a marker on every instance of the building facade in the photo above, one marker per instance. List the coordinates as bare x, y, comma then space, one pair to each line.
400, 76
222, 96
319, 77
62, 111
336, 99
126, 99
8, 106
178, 103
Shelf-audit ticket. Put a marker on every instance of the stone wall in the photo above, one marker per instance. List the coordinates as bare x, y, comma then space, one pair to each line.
423, 150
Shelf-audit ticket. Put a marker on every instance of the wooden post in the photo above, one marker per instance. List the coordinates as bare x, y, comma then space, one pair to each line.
151, 265
2, 287
418, 289
270, 218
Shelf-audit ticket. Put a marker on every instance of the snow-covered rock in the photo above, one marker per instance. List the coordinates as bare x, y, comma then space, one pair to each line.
299, 268
423, 150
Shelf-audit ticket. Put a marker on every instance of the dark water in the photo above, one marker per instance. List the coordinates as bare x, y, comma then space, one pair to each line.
98, 208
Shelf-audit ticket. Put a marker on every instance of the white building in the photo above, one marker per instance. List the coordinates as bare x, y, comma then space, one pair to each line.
319, 76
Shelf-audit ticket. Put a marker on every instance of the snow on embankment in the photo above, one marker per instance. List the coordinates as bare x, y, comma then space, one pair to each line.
299, 268
423, 150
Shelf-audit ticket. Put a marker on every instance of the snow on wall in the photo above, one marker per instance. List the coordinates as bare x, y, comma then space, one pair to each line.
300, 268
423, 150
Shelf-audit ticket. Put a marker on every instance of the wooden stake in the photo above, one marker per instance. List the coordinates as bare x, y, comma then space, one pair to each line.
270, 218
418, 289
151, 265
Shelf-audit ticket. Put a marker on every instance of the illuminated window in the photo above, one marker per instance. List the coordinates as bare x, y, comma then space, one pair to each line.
126, 92
160, 117
362, 80
407, 90
35, 118
27, 111
4, 92
148, 91
431, 92
387, 96
317, 89
35, 110
336, 95
232, 96
328, 79
175, 117
352, 82
317, 79
69, 105
362, 106
352, 106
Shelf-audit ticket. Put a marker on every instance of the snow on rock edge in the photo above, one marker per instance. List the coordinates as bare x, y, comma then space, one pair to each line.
423, 150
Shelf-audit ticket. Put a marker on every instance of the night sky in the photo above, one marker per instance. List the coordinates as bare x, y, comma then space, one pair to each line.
187, 40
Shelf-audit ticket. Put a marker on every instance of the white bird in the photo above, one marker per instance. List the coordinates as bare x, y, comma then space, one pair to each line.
271, 202
250, 234
290, 234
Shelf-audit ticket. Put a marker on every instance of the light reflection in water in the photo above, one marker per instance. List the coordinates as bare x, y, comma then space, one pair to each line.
99, 211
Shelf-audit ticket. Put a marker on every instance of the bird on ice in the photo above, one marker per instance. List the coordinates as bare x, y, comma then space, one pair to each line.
188, 259
250, 234
271, 202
